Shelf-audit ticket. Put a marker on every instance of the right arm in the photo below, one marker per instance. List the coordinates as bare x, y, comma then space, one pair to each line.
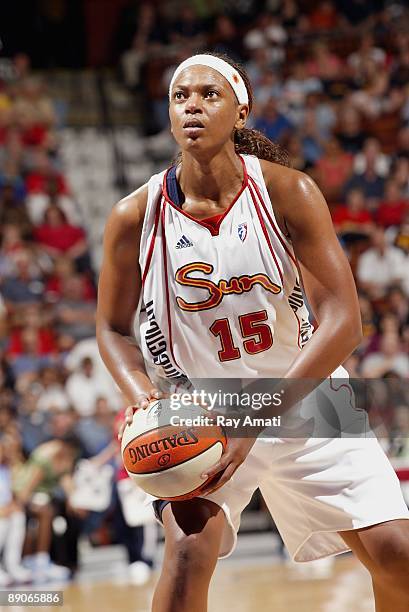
118, 296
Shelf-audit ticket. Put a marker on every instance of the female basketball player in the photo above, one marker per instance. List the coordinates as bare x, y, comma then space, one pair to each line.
232, 209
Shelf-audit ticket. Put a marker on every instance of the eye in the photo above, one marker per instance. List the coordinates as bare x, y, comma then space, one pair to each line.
212, 93
178, 95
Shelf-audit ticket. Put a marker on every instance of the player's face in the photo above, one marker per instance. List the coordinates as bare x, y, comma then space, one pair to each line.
204, 109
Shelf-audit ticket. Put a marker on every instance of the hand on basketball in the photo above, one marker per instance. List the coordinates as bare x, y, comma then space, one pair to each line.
143, 402
235, 453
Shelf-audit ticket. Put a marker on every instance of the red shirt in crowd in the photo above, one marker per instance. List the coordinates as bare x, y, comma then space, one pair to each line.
53, 288
45, 342
61, 238
391, 213
38, 183
344, 218
35, 135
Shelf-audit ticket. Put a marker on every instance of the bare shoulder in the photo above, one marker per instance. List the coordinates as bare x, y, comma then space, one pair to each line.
285, 185
123, 229
128, 213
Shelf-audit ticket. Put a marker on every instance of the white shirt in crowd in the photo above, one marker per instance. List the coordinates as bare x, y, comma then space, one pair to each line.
106, 385
83, 392
399, 364
382, 269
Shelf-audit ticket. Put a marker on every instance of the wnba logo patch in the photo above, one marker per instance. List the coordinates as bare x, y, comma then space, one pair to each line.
242, 231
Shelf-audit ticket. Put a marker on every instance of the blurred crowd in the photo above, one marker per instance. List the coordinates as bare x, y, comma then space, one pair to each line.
331, 86
58, 404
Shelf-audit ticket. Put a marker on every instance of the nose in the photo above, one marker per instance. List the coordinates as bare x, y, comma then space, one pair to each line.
193, 104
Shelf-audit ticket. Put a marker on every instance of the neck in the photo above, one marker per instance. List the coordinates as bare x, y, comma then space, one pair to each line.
210, 177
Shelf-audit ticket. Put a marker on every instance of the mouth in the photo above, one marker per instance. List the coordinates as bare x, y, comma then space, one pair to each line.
193, 128
193, 124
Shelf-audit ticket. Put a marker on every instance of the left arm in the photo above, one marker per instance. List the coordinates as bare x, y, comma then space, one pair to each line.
329, 286
326, 275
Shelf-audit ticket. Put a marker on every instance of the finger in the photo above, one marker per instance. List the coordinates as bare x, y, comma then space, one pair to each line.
217, 467
129, 412
155, 393
227, 474
128, 418
121, 431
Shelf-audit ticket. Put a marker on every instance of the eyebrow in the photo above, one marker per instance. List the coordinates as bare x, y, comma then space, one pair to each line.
204, 86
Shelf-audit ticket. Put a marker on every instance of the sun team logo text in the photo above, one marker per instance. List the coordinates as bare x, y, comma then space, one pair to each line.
235, 285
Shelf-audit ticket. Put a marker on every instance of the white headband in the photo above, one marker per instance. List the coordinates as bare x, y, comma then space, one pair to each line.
228, 72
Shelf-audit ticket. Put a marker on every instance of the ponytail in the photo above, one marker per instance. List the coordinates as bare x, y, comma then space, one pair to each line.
253, 142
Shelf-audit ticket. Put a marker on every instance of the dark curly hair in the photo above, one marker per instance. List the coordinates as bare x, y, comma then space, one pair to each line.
248, 141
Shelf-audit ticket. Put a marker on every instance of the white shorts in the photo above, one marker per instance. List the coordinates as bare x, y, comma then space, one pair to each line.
313, 489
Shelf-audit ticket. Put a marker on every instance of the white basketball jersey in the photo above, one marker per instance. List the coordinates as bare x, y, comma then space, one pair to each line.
219, 303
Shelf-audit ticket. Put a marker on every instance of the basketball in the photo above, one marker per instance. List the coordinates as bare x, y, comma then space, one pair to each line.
166, 458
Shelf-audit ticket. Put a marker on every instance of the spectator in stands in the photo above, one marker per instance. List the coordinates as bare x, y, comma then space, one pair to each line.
388, 324
73, 316
32, 101
324, 17
349, 131
57, 237
291, 17
357, 12
36, 318
267, 30
298, 86
83, 389
323, 112
323, 64
29, 360
375, 99
399, 305
43, 180
24, 284
353, 221
333, 170
225, 38
95, 429
296, 151
63, 269
312, 142
272, 123
400, 174
400, 69
269, 86
371, 156
390, 358
187, 29
105, 383
402, 149
366, 54
258, 65
381, 266
53, 396
368, 181
50, 465
32, 422
393, 206
12, 520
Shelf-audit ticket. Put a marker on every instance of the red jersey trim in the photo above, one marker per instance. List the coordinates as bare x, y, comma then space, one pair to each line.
213, 228
277, 231
165, 267
267, 237
152, 242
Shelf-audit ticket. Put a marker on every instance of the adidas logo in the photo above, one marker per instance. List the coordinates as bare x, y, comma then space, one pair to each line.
184, 242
